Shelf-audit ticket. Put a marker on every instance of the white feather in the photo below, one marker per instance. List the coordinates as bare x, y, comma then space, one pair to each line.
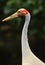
28, 58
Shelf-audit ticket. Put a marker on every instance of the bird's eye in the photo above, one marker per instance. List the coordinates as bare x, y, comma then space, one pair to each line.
18, 11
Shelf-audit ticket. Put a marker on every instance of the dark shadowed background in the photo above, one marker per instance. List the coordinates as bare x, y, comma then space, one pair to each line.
10, 32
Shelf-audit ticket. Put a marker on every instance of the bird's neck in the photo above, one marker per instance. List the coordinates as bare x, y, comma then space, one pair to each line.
24, 40
25, 29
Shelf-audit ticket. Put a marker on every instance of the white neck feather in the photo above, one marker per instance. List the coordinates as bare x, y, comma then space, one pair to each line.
24, 40
28, 58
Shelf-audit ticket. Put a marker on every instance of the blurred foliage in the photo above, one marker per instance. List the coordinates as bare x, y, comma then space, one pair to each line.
10, 32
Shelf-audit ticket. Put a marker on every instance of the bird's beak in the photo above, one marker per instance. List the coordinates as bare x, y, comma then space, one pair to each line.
10, 17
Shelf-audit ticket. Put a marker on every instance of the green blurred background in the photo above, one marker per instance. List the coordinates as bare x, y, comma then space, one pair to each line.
10, 32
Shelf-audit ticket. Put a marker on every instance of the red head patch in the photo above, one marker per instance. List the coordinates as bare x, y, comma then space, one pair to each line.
22, 12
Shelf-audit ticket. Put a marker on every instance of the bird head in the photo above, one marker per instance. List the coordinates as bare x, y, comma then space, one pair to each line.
20, 12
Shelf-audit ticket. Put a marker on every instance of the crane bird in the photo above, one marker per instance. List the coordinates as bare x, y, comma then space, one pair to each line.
28, 57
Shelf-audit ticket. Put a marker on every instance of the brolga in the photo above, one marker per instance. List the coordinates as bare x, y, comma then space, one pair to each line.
28, 57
